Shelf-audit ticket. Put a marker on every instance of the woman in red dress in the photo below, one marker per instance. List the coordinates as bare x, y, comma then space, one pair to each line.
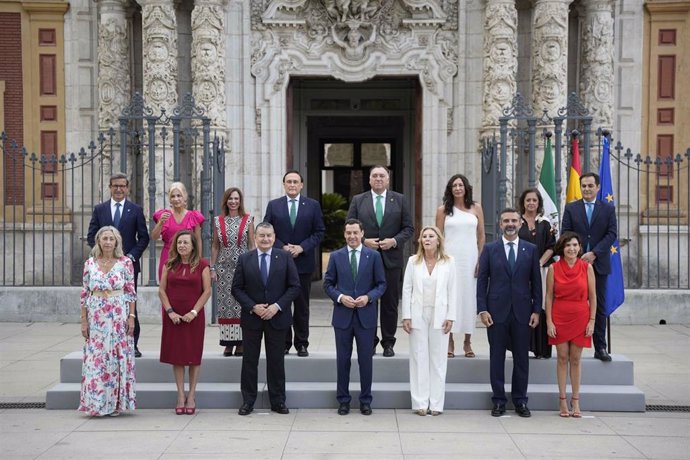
184, 290
571, 304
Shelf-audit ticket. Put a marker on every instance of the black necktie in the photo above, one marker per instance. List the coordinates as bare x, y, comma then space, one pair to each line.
116, 218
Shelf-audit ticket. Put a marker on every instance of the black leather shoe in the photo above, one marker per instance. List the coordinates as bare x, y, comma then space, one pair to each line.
522, 410
388, 352
365, 409
302, 351
137, 353
245, 409
344, 409
280, 408
498, 410
602, 355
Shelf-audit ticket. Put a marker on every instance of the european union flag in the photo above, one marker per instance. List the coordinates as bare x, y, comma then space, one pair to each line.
615, 291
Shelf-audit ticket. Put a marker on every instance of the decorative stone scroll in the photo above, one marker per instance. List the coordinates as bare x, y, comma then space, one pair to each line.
596, 70
550, 55
500, 60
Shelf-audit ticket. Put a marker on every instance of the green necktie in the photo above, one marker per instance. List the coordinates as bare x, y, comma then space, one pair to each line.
353, 263
379, 210
293, 212
511, 257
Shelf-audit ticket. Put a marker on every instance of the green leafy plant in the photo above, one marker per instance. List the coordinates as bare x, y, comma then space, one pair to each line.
333, 206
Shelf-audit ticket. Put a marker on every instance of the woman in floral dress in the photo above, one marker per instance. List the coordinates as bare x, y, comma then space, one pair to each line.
170, 221
233, 235
107, 323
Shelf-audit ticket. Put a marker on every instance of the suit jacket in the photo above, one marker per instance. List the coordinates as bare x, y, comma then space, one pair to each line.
282, 287
371, 281
600, 234
132, 227
446, 292
499, 291
397, 223
307, 232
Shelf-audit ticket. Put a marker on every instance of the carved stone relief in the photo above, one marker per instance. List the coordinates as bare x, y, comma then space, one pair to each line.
354, 39
596, 71
550, 54
500, 59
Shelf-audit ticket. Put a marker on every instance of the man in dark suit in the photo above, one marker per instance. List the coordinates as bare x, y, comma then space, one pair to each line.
595, 222
265, 283
509, 302
129, 219
355, 279
298, 223
387, 225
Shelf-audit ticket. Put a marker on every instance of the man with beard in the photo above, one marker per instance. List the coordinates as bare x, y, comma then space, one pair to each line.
509, 302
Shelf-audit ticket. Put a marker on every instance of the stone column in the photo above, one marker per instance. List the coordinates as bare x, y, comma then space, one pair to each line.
500, 61
550, 55
114, 85
208, 67
596, 68
159, 36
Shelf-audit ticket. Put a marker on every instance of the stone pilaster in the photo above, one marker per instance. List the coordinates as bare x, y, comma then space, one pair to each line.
550, 55
159, 36
596, 69
500, 61
114, 85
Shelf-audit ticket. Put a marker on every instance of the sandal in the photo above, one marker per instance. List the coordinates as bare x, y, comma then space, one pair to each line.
451, 354
468, 353
575, 413
189, 410
421, 412
564, 413
451, 346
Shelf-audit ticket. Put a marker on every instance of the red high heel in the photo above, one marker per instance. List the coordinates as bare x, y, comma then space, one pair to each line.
564, 414
190, 410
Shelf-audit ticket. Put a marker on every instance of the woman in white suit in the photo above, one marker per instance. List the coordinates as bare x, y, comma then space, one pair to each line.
429, 296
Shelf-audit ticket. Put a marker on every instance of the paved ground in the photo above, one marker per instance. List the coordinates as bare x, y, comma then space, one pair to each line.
29, 365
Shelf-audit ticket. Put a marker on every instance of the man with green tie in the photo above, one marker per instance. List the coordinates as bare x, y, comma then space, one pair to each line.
299, 228
387, 225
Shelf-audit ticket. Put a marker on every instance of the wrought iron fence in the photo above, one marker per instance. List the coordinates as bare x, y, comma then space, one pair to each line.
48, 199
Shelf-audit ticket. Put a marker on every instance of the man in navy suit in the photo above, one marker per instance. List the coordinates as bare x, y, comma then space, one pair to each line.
595, 222
129, 219
265, 283
355, 279
509, 302
298, 223
387, 223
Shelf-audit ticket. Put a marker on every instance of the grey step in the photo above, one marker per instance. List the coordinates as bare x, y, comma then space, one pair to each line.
321, 366
386, 395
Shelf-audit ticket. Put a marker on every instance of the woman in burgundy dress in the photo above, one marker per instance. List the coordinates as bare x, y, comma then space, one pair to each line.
184, 290
571, 305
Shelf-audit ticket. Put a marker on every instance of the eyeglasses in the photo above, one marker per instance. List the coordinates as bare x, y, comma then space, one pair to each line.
118, 186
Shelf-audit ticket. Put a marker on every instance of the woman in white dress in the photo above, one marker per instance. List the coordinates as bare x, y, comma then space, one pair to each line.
462, 222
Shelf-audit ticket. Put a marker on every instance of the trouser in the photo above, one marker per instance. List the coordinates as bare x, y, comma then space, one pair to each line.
275, 363
300, 315
516, 335
600, 317
388, 310
343, 349
428, 364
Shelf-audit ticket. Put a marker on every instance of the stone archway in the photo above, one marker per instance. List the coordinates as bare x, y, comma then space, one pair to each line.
354, 43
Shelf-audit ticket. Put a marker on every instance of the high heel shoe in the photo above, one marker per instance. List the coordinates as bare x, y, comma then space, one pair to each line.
190, 410
564, 413
179, 410
575, 413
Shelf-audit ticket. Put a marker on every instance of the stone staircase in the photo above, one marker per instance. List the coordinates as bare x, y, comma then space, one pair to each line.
311, 383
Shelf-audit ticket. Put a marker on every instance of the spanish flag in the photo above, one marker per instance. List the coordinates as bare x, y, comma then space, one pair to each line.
573, 191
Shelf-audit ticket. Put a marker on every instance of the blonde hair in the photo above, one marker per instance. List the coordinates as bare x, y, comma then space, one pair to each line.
178, 186
96, 251
440, 253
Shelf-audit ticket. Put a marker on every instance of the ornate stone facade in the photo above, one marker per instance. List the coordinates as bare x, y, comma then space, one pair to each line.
500, 60
550, 55
596, 70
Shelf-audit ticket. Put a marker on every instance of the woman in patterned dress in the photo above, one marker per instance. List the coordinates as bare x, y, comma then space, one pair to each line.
233, 235
107, 323
170, 221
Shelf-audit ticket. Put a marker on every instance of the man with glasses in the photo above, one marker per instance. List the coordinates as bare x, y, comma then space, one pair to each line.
129, 219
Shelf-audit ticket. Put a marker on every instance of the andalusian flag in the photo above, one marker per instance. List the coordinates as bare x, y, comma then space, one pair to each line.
547, 184
573, 191
615, 292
